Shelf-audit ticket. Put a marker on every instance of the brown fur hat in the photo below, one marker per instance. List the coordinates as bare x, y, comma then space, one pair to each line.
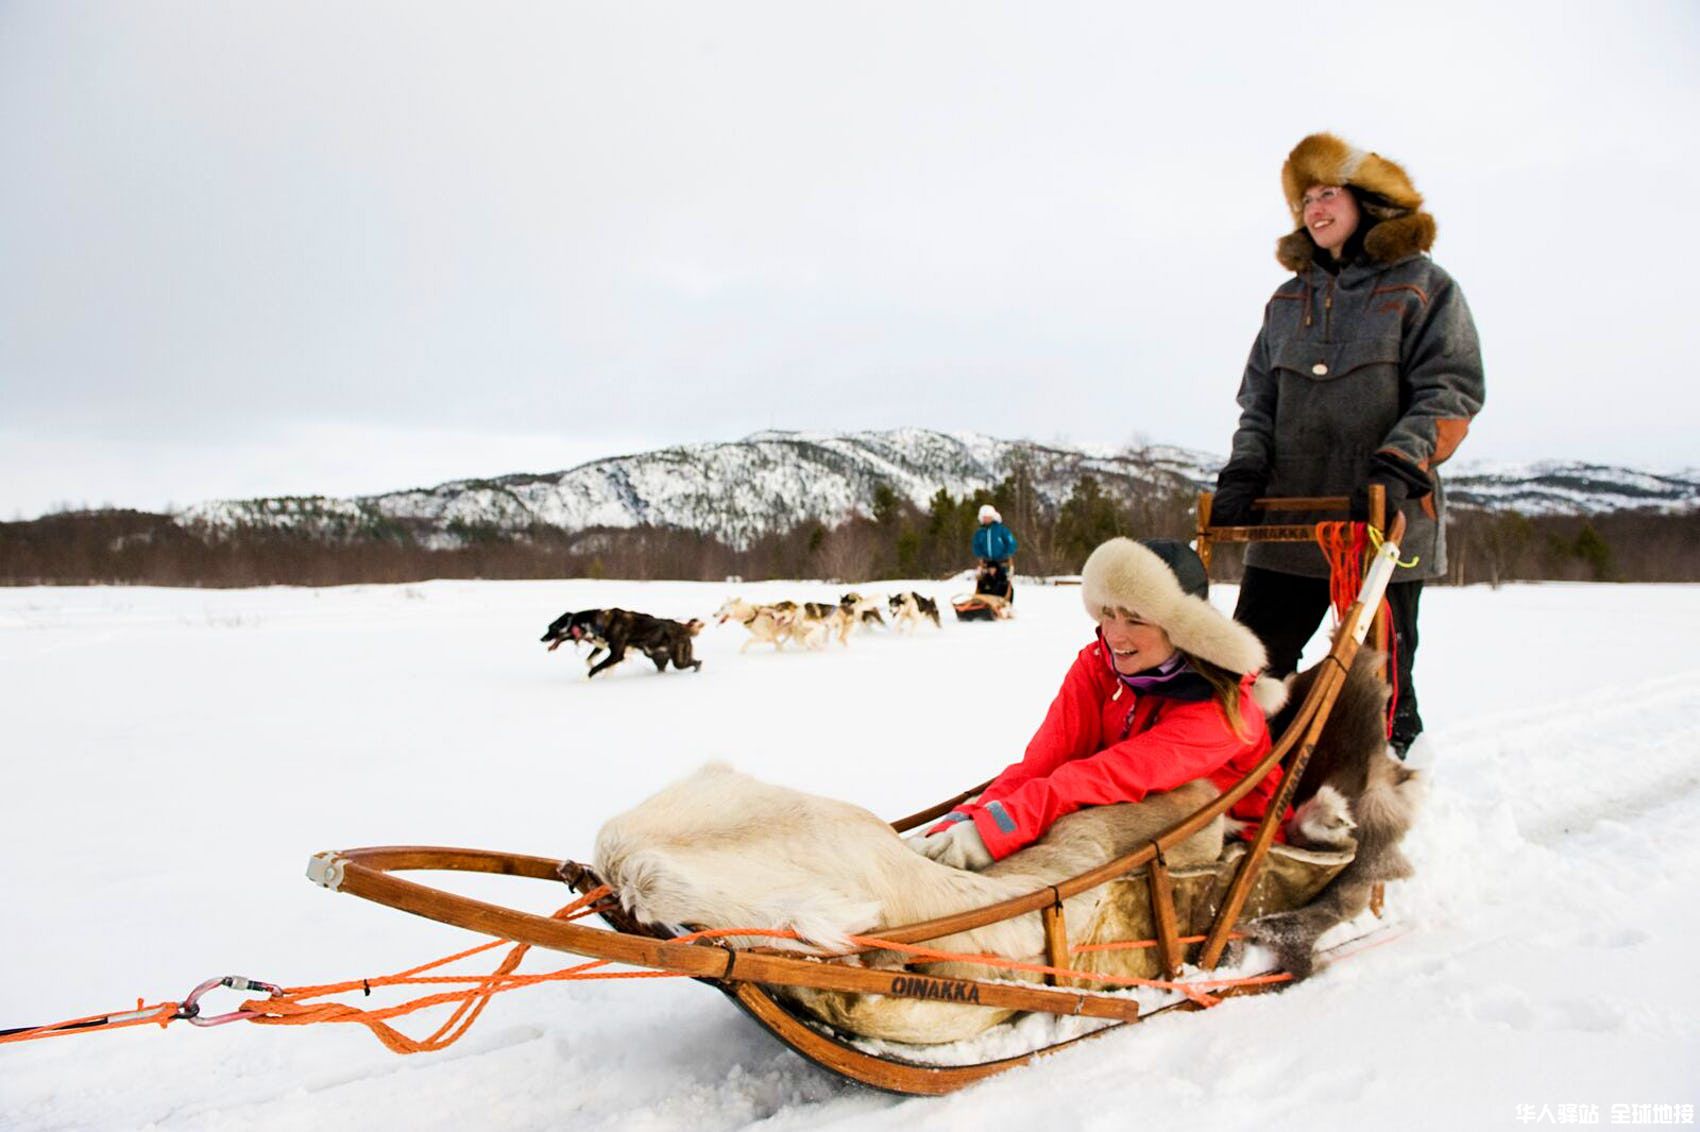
1396, 225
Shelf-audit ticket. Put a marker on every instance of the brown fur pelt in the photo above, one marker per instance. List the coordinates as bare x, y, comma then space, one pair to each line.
1324, 159
1382, 796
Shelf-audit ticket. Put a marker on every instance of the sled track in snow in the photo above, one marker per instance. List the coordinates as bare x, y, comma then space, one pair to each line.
1617, 754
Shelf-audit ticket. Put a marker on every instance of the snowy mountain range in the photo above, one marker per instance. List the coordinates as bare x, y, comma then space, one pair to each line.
770, 481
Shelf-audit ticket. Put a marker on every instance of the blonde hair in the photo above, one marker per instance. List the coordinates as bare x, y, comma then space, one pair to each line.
1225, 685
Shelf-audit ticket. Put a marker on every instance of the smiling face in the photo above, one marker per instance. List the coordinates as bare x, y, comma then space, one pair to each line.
1135, 644
1330, 216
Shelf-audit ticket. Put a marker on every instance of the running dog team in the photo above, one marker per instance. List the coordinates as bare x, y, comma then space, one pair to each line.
610, 632
814, 623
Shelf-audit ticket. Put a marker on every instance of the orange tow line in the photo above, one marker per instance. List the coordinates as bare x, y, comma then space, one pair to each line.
288, 1006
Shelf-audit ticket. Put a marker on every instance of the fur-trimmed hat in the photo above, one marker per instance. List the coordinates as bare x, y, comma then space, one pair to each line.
1163, 582
989, 514
1393, 223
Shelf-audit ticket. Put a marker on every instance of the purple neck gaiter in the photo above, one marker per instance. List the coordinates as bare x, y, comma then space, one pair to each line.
1156, 679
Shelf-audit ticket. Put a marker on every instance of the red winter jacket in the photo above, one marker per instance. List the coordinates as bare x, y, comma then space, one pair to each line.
1101, 744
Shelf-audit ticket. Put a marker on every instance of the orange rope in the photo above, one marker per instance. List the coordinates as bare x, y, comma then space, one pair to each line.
160, 1014
1193, 990
1343, 545
289, 1009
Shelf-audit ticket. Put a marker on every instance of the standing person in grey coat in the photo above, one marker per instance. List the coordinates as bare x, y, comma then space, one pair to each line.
1367, 371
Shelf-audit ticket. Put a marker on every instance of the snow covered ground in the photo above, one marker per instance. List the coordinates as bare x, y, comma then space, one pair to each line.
172, 757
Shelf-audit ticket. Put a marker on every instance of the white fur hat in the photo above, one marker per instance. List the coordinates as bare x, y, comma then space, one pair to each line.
989, 514
1124, 574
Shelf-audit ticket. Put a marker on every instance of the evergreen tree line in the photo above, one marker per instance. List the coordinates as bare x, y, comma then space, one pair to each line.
1623, 546
897, 540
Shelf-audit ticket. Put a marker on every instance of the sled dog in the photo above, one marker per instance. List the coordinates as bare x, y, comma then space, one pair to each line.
817, 621
907, 609
863, 610
767, 624
613, 631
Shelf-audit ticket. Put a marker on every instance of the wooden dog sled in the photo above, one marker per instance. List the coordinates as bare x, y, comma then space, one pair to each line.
1151, 901
982, 607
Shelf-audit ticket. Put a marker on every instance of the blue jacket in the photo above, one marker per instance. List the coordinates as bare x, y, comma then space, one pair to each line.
994, 541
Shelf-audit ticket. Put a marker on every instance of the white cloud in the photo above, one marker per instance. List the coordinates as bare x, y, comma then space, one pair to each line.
673, 221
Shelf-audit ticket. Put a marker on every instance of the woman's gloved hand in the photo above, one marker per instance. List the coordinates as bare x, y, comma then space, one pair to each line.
1236, 489
1401, 479
954, 842
1397, 492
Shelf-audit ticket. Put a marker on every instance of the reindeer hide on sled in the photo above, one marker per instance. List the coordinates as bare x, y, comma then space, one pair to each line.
720, 849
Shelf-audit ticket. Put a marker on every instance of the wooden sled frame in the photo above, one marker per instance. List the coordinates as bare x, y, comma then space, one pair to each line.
1208, 535
748, 974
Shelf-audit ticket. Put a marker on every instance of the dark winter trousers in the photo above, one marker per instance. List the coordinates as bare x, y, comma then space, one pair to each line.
993, 578
1284, 610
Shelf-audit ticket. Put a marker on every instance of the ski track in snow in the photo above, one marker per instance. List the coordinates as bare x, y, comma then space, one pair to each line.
1621, 751
184, 751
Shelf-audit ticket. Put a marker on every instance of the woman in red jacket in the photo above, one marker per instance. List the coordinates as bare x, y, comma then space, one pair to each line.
1163, 695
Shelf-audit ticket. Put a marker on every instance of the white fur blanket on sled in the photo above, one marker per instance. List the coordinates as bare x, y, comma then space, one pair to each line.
720, 849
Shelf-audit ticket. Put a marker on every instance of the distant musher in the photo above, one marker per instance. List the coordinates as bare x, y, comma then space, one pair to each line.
994, 546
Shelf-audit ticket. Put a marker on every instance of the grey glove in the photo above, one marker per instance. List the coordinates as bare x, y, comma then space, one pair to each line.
959, 845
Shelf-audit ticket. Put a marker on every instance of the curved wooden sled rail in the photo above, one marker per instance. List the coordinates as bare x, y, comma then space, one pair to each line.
746, 975
367, 873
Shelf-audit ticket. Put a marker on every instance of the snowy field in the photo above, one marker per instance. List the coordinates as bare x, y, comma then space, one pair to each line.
174, 756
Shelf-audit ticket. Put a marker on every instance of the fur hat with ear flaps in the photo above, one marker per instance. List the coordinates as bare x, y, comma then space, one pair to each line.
1163, 582
1393, 222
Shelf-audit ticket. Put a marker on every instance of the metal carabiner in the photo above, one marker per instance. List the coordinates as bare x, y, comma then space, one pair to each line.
190, 1010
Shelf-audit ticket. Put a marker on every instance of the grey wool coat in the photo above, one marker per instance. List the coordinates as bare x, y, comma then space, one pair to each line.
1375, 371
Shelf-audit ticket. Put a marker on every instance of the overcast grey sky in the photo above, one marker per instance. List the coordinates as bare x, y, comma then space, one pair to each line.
295, 247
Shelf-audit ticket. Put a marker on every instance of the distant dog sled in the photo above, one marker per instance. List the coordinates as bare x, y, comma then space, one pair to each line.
982, 607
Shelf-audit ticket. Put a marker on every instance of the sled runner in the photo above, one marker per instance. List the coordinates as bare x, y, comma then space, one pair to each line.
1185, 915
